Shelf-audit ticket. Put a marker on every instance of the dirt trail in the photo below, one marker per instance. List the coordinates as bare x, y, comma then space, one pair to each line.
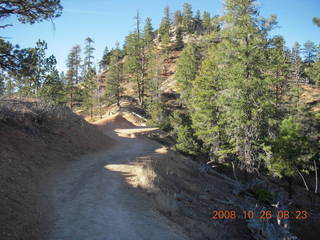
90, 201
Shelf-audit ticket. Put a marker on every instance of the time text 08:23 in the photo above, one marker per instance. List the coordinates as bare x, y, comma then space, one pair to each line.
263, 214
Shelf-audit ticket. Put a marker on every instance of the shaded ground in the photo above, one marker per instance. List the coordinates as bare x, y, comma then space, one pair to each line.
138, 189
93, 198
34, 139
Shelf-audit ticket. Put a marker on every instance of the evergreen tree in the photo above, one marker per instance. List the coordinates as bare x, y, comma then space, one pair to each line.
286, 149
187, 142
9, 87
7, 57
33, 69
53, 89
136, 63
148, 32
76, 63
73, 75
177, 18
316, 21
30, 11
206, 21
179, 38
89, 89
296, 61
296, 74
2, 85
155, 107
154, 75
63, 78
115, 77
42, 66
232, 98
204, 113
313, 71
105, 59
88, 52
164, 29
198, 16
186, 72
279, 68
187, 15
181, 122
296, 147
310, 52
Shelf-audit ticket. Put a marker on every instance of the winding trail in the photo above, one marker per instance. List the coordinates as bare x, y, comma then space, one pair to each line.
92, 202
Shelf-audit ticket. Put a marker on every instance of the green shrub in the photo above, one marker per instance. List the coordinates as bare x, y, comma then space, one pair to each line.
186, 140
263, 195
158, 116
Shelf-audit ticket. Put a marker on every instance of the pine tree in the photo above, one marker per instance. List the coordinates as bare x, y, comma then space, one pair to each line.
313, 71
148, 32
179, 39
316, 21
74, 65
187, 17
63, 78
205, 107
206, 21
164, 29
279, 68
187, 142
154, 75
286, 149
53, 89
88, 52
105, 59
115, 77
296, 61
39, 66
9, 87
310, 52
25, 78
186, 72
33, 69
89, 91
296, 73
2, 85
8, 60
232, 97
73, 75
197, 17
30, 11
137, 60
177, 18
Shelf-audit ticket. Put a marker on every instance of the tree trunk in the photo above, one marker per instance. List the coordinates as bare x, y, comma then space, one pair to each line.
289, 181
234, 171
303, 179
316, 172
71, 101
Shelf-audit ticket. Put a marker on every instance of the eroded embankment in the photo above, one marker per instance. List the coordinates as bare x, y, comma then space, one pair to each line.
34, 139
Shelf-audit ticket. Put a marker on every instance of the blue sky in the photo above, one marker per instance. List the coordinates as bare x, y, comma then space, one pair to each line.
108, 21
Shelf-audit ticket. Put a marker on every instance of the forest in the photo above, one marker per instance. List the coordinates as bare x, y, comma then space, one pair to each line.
236, 98
239, 87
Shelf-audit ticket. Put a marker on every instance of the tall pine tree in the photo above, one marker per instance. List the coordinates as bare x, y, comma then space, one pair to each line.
232, 99
115, 77
186, 72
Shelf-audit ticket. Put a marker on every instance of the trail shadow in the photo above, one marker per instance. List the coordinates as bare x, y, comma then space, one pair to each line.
101, 196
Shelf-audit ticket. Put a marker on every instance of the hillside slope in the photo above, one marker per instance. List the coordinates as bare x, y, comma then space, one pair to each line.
34, 140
